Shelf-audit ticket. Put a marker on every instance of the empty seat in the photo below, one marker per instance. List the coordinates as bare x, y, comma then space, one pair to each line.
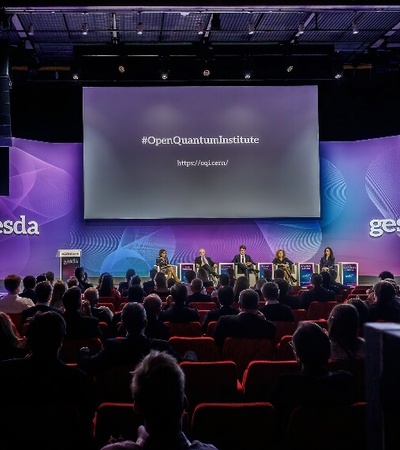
189, 329
204, 347
210, 382
260, 377
244, 350
235, 426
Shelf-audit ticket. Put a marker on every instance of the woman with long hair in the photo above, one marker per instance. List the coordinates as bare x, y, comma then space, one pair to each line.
165, 266
327, 260
281, 261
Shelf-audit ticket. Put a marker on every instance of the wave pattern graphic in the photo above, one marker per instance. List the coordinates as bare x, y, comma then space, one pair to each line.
333, 192
382, 182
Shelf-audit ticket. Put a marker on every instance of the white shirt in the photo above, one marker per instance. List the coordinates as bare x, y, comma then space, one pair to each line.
13, 303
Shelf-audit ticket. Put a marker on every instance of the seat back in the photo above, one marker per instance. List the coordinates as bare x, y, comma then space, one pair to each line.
260, 378
210, 328
115, 420
203, 305
210, 382
235, 426
299, 315
284, 328
204, 347
16, 319
189, 329
327, 426
109, 305
320, 310
244, 350
113, 384
284, 349
70, 348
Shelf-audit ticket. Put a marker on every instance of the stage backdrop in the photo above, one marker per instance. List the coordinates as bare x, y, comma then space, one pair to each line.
360, 191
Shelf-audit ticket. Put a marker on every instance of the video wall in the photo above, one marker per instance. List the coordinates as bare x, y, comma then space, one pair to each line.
360, 216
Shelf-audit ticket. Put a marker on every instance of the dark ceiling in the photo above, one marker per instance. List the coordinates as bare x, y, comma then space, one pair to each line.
126, 43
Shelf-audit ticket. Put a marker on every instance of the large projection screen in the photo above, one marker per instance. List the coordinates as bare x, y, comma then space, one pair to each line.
201, 152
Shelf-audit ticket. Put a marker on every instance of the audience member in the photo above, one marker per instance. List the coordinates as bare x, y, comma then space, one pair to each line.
385, 307
12, 302
127, 350
158, 392
204, 277
136, 294
190, 275
148, 285
102, 313
11, 345
43, 291
170, 282
199, 294
241, 284
72, 281
41, 277
82, 278
108, 289
327, 280
225, 299
273, 310
279, 273
250, 322
160, 285
156, 328
43, 379
385, 274
80, 325
267, 274
362, 309
176, 310
50, 277
285, 298
337, 287
57, 294
343, 326
223, 281
232, 278
29, 283
123, 285
315, 384
258, 287
317, 293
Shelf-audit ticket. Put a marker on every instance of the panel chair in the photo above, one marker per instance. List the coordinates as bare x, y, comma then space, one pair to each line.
320, 310
189, 329
204, 346
244, 350
210, 382
115, 420
235, 426
260, 378
327, 426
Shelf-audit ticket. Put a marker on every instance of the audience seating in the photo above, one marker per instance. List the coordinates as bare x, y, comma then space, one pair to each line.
284, 328
260, 377
328, 427
284, 349
204, 347
69, 351
108, 304
115, 419
16, 319
112, 300
243, 350
210, 328
210, 382
354, 366
299, 315
235, 426
189, 329
323, 323
113, 384
202, 314
320, 310
203, 305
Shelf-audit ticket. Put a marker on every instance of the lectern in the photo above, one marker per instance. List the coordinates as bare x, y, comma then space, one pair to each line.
69, 261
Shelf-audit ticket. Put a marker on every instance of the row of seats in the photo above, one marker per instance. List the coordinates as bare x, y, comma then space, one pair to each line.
253, 425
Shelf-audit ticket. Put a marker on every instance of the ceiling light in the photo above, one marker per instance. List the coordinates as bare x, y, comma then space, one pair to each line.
251, 28
301, 28
206, 72
31, 30
200, 28
354, 27
85, 28
140, 28
121, 68
164, 74
289, 68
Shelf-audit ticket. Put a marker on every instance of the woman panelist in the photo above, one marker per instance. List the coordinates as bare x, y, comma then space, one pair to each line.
164, 265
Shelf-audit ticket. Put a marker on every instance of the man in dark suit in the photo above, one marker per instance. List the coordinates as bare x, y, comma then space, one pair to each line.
206, 262
249, 323
317, 293
177, 311
244, 262
198, 292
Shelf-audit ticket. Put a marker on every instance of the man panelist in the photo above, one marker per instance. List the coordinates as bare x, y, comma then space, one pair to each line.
206, 262
244, 262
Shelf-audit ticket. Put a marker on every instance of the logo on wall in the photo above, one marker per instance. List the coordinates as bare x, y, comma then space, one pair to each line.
20, 226
380, 226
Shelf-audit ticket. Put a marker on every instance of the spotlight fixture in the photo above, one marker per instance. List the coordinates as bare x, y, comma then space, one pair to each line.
75, 75
247, 74
301, 28
354, 27
289, 68
121, 68
140, 28
206, 72
200, 28
164, 67
31, 30
85, 28
164, 74
251, 28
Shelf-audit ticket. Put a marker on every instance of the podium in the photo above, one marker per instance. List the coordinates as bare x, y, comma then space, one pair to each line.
69, 261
